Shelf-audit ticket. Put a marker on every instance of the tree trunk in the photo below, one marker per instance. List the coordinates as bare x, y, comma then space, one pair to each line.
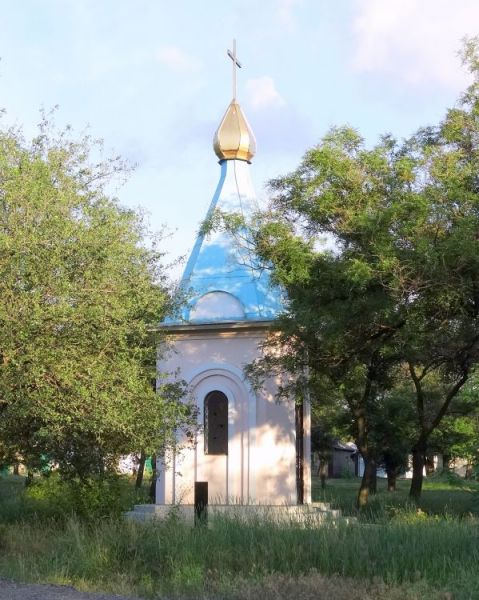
446, 462
323, 472
154, 476
317, 459
29, 478
140, 470
429, 463
419, 449
368, 481
392, 476
469, 471
418, 453
101, 465
16, 469
299, 422
374, 480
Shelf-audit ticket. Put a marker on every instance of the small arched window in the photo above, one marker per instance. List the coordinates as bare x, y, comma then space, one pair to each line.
216, 423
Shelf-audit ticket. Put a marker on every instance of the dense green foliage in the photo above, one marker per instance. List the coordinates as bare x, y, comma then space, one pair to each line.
82, 293
457, 436
378, 251
55, 499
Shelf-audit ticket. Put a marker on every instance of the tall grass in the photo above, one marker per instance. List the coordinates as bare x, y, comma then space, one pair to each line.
173, 559
49, 534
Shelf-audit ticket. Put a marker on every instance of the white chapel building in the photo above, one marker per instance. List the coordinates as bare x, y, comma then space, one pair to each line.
249, 448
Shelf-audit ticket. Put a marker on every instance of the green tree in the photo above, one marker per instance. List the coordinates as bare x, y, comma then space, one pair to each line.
81, 294
440, 342
341, 318
457, 437
397, 284
330, 421
392, 431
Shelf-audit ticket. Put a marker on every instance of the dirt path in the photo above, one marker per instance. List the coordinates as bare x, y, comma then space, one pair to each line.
10, 590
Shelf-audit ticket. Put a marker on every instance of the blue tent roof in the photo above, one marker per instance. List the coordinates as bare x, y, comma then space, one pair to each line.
221, 279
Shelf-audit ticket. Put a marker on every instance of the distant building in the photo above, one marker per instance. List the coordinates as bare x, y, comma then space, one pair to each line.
345, 460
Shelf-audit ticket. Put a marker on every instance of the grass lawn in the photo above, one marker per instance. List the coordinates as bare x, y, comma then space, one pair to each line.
441, 496
391, 554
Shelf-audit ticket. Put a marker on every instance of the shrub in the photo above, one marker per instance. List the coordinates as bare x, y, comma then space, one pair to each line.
51, 497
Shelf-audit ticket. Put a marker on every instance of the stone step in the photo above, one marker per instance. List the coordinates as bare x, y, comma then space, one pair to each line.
317, 515
144, 508
307, 514
260, 508
320, 505
138, 516
316, 520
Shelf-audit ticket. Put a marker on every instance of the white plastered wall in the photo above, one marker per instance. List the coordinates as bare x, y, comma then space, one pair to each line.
261, 463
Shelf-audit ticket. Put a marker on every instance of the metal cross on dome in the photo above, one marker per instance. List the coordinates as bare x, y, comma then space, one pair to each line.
236, 63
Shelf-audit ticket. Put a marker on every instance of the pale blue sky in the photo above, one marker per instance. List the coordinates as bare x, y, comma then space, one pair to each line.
152, 78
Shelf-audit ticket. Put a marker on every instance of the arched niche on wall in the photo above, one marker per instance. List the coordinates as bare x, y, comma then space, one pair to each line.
215, 306
216, 423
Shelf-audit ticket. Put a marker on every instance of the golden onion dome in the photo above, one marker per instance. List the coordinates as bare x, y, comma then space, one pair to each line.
234, 137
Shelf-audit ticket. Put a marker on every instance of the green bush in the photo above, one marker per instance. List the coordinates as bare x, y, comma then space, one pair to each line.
53, 498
